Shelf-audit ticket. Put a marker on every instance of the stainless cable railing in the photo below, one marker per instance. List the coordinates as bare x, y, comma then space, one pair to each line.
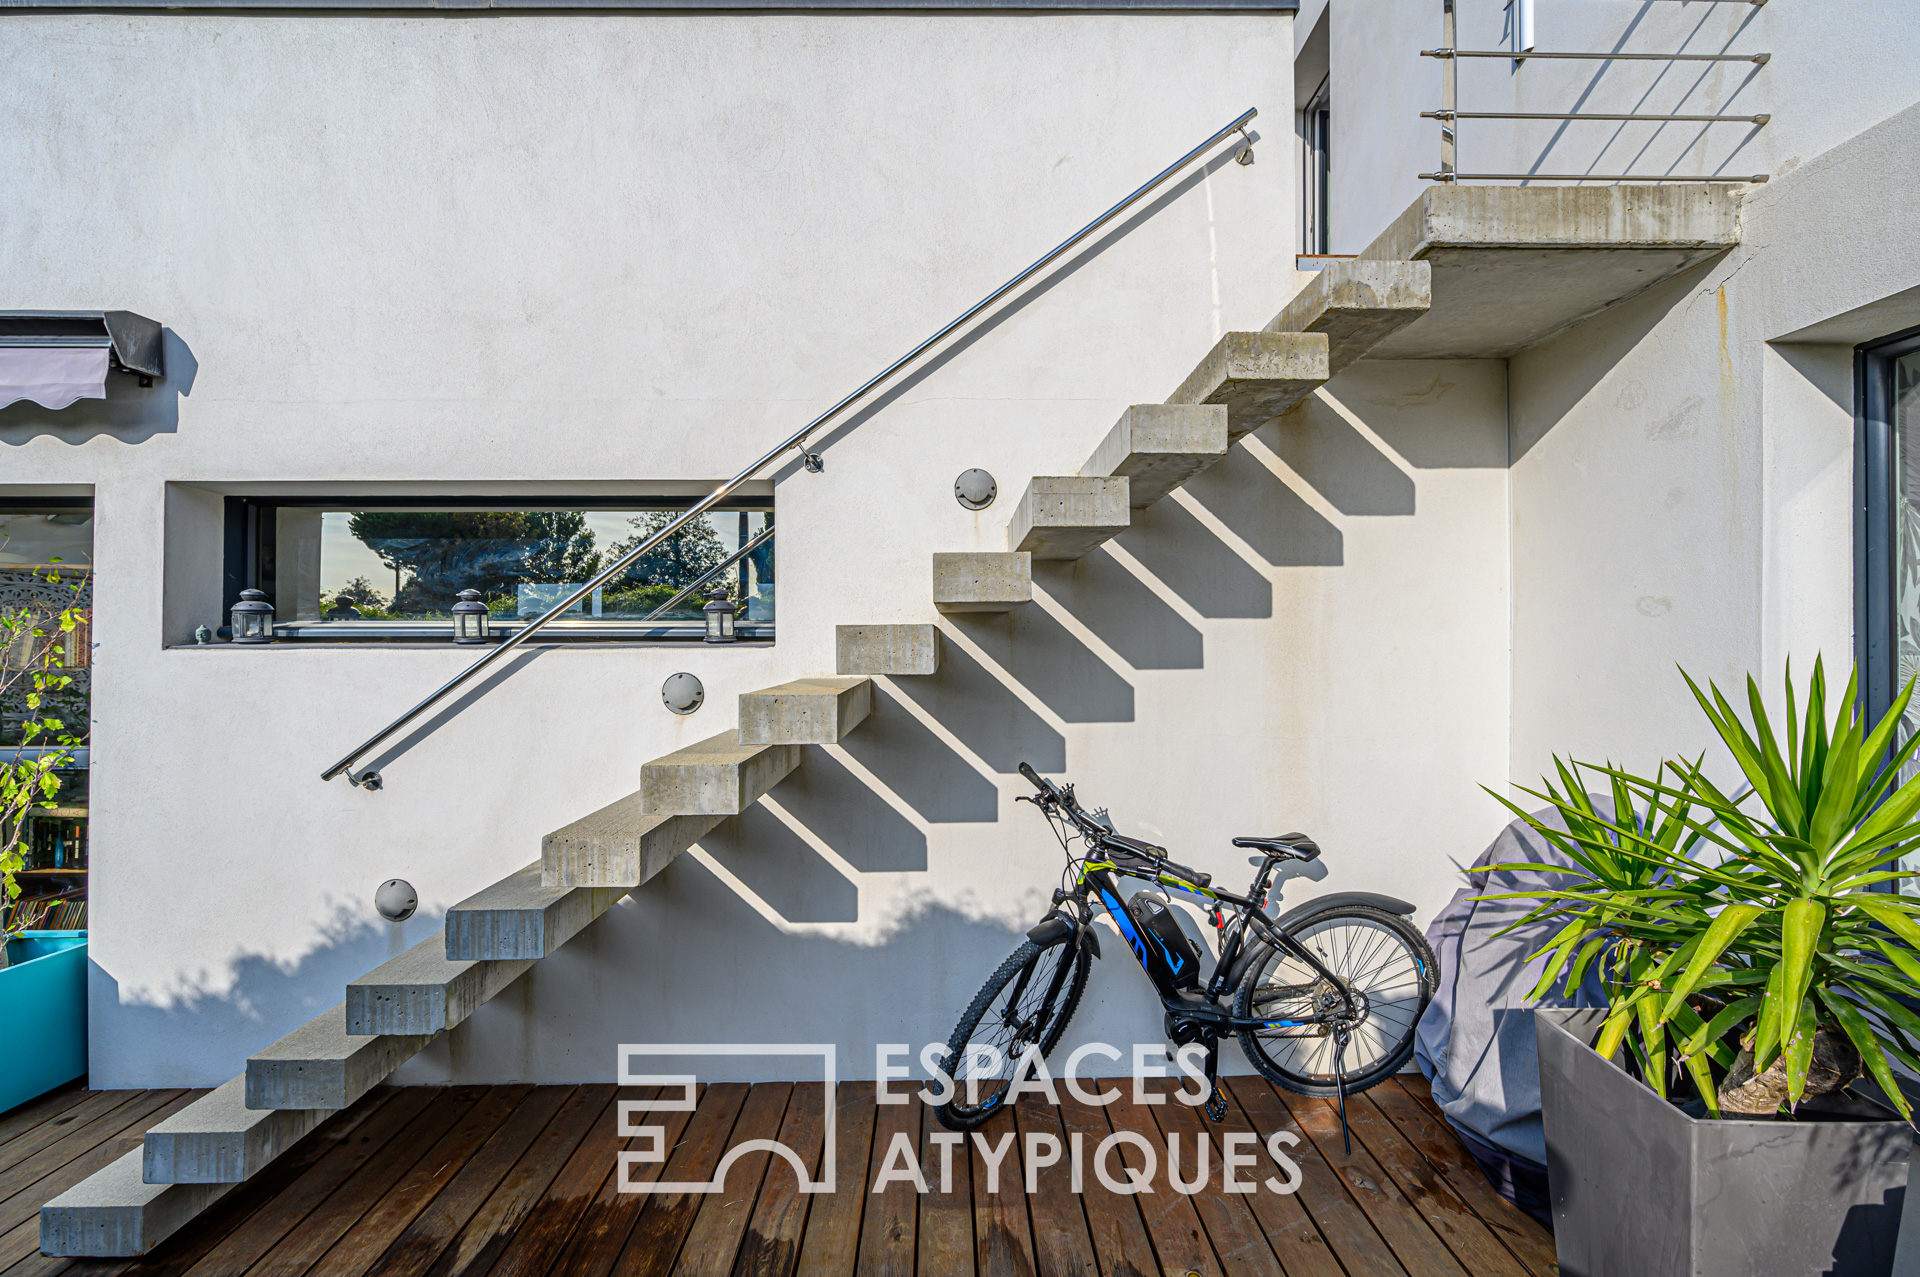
371, 779
1449, 115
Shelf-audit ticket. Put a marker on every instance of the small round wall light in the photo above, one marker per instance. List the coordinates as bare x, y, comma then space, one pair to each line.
682, 693
396, 900
975, 489
252, 618
470, 617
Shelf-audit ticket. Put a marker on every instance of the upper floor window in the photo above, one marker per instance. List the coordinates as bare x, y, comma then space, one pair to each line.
393, 569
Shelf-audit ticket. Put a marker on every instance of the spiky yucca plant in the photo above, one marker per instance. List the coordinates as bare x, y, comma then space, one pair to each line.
1782, 945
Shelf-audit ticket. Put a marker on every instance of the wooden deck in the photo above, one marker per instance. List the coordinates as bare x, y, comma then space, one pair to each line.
519, 1180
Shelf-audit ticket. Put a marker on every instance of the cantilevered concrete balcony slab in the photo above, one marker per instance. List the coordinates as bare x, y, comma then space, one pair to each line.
1513, 265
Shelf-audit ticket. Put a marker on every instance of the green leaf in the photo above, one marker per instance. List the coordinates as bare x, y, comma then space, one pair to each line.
1868, 1044
1800, 925
1718, 1027
1889, 915
1797, 1050
1732, 921
1702, 1074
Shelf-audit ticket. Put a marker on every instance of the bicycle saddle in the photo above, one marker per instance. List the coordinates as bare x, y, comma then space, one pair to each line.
1292, 846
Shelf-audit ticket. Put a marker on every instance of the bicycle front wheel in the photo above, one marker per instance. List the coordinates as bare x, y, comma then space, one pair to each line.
1027, 1002
1388, 968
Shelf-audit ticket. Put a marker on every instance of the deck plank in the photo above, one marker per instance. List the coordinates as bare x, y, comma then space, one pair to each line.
1179, 1240
1451, 1219
363, 1244
1350, 1235
1237, 1237
434, 1229
96, 1105
594, 1246
290, 1234
51, 1156
1002, 1230
888, 1220
1062, 1240
945, 1237
1400, 1223
1296, 1242
1120, 1242
537, 1243
1522, 1234
832, 1240
657, 1236
480, 1241
39, 1112
721, 1224
771, 1247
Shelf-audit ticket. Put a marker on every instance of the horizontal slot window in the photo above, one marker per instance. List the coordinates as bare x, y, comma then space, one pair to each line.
394, 570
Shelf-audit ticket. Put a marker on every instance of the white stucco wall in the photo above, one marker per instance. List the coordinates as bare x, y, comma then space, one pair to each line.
557, 253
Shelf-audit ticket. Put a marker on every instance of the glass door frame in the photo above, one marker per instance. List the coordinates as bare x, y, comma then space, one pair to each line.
1876, 488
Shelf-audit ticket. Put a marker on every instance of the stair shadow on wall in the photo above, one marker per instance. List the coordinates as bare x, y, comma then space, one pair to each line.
988, 718
849, 817
1268, 515
1045, 658
777, 865
1339, 462
268, 998
1123, 610
920, 767
1194, 563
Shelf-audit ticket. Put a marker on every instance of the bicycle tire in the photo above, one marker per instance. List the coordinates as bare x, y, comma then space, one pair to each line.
959, 1115
1397, 976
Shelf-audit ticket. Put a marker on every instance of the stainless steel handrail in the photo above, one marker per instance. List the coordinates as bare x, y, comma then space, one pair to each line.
1592, 115
798, 439
714, 571
1523, 55
1629, 179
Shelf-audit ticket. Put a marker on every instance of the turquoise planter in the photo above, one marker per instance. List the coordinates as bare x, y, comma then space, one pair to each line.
43, 1003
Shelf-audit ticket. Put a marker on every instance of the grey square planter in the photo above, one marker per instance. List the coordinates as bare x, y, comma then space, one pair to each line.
1642, 1190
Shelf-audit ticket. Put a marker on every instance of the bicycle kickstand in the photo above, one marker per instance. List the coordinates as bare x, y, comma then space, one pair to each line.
1216, 1105
1340, 1084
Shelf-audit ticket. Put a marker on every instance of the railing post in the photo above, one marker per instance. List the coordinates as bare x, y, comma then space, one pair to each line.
1449, 94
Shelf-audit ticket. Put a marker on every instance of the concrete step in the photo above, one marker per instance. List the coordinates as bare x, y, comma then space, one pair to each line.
217, 1139
322, 1066
1063, 517
1358, 305
1257, 376
718, 776
1158, 447
518, 917
887, 649
114, 1213
621, 845
423, 991
982, 581
807, 711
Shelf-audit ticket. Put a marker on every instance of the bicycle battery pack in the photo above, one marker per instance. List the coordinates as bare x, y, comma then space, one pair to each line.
1172, 959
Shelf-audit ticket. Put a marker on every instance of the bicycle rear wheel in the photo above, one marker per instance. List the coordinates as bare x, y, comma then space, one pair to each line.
1391, 972
1019, 1006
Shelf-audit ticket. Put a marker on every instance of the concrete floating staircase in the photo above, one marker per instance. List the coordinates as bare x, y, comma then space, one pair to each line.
492, 938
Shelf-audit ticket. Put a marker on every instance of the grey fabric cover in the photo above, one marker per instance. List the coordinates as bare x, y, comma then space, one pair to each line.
1475, 1043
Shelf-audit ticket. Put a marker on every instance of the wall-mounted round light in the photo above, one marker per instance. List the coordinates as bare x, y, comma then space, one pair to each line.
720, 616
682, 693
396, 900
975, 489
252, 618
470, 617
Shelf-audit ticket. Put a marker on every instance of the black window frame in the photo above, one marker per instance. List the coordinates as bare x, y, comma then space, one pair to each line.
1876, 655
251, 525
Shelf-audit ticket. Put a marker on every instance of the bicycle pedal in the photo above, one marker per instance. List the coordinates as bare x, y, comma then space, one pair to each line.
1216, 1106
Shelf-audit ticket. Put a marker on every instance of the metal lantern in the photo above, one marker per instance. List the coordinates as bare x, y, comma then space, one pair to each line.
719, 613
470, 617
252, 618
